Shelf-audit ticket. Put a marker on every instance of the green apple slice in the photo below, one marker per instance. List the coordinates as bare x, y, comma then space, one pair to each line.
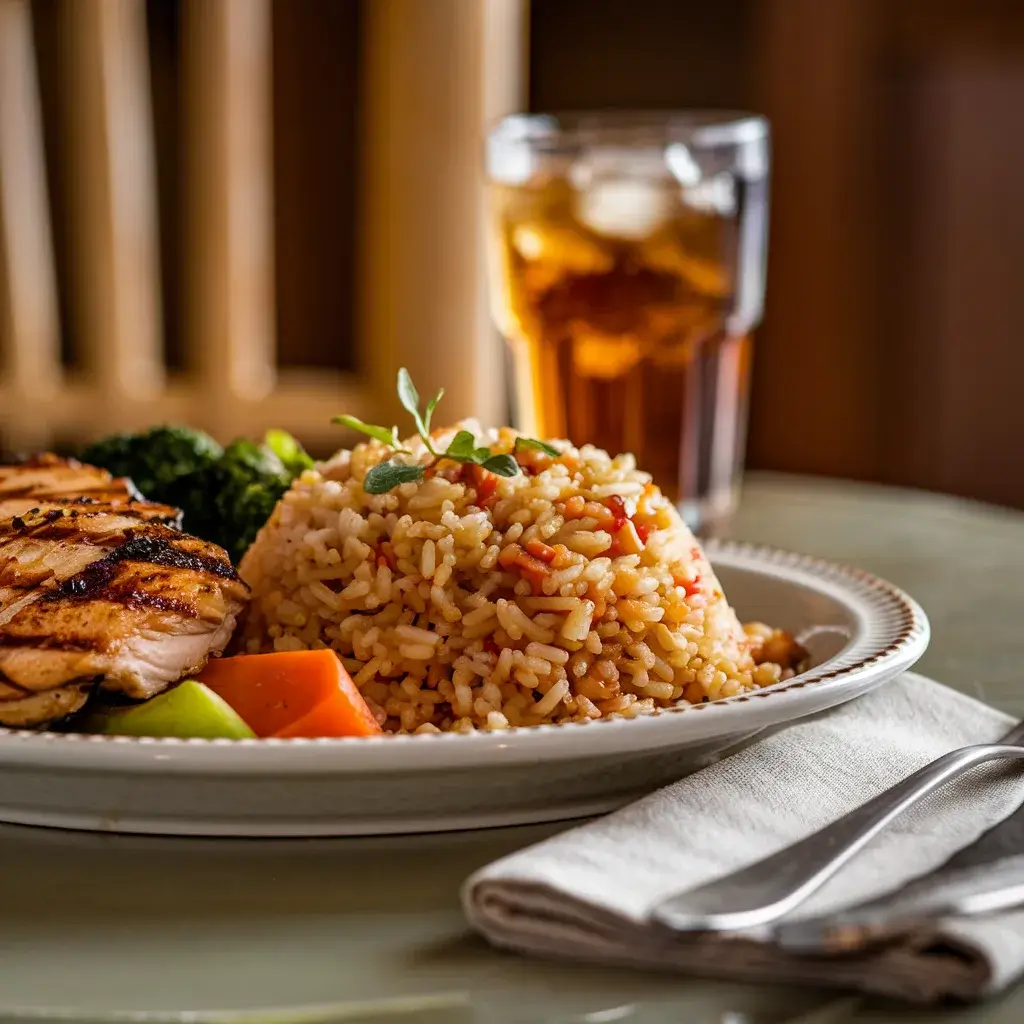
189, 711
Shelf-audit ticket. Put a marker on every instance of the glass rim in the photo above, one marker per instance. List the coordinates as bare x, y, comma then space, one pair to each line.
560, 130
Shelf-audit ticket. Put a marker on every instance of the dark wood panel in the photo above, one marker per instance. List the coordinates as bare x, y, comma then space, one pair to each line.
316, 74
163, 19
964, 304
986, 27
46, 29
596, 54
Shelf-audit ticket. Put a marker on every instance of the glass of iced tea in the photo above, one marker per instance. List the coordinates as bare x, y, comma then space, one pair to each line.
627, 267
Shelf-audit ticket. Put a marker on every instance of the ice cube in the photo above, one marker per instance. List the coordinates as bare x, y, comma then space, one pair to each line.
681, 163
665, 253
624, 208
714, 195
606, 162
561, 246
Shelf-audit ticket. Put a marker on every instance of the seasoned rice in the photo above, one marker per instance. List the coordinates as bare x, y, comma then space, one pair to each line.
571, 591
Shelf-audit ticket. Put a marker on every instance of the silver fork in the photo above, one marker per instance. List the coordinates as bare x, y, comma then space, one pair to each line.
771, 888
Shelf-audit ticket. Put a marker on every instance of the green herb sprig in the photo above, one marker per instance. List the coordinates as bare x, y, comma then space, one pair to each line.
462, 447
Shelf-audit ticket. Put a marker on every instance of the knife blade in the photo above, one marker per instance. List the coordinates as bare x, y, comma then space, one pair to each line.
984, 877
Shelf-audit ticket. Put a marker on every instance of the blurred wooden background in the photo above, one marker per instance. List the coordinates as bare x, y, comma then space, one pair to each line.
891, 349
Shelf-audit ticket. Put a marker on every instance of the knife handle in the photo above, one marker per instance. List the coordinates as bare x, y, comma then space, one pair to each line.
771, 888
982, 888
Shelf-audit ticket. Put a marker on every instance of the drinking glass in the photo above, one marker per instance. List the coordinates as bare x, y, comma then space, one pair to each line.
627, 263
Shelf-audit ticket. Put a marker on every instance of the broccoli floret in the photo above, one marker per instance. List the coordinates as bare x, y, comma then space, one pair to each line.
293, 456
230, 500
226, 494
158, 460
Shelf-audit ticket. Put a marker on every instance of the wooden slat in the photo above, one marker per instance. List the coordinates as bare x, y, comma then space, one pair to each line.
229, 250
435, 73
29, 322
504, 71
116, 279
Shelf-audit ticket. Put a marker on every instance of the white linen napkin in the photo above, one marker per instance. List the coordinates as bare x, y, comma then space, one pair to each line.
586, 893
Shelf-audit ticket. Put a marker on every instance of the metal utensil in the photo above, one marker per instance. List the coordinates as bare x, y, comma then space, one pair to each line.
771, 888
982, 878
982, 889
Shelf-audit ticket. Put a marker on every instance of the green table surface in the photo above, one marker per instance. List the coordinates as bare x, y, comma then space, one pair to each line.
108, 927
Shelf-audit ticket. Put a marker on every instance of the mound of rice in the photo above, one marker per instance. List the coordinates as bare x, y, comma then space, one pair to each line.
570, 591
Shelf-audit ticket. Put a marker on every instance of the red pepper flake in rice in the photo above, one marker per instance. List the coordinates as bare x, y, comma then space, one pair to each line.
540, 550
509, 555
386, 555
534, 570
691, 585
617, 507
485, 484
627, 540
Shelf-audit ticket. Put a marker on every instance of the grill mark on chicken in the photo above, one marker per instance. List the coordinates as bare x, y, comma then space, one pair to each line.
94, 579
49, 476
132, 593
71, 514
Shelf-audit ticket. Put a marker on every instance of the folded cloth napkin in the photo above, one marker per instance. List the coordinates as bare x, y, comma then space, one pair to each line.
587, 893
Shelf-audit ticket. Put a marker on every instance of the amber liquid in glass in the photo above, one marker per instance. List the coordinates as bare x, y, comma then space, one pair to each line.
621, 336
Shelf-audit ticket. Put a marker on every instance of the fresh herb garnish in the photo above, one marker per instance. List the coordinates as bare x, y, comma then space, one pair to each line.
386, 475
431, 406
502, 465
382, 434
526, 443
462, 447
410, 398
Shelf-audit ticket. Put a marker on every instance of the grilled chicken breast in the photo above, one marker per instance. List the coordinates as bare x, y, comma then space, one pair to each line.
104, 591
46, 477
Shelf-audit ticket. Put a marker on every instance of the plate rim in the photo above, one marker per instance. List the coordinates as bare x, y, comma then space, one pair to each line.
881, 607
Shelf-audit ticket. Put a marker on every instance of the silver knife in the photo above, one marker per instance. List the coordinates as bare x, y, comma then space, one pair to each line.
982, 878
769, 890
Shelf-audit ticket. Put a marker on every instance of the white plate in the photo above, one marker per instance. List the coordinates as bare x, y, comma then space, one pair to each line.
861, 632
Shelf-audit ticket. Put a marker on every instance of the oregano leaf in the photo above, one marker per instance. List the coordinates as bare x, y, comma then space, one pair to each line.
526, 443
407, 393
431, 406
502, 465
462, 447
383, 434
386, 475
410, 398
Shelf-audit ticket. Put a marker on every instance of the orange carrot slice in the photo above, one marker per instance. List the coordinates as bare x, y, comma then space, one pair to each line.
292, 694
